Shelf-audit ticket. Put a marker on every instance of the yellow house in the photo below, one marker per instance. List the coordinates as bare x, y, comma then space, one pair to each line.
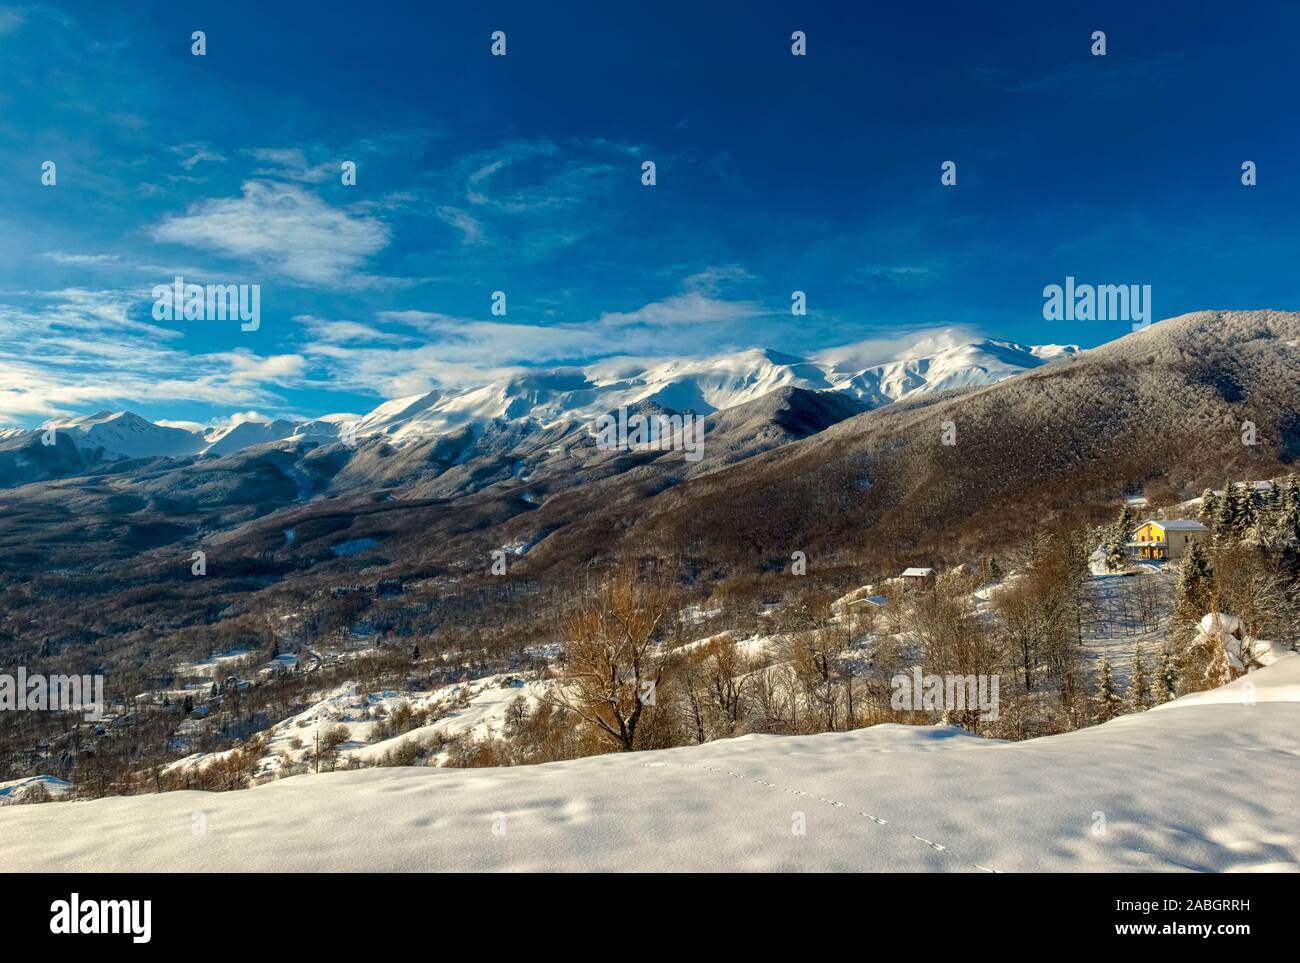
1166, 538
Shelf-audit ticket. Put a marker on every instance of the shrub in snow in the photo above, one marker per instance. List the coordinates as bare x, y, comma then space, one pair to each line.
1218, 672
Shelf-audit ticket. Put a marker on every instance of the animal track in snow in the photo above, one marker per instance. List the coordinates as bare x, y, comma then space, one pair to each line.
879, 821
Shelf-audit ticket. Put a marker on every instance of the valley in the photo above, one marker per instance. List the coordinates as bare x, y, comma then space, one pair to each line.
436, 592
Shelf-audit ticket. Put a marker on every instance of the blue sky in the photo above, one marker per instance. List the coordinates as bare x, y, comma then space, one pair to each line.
522, 173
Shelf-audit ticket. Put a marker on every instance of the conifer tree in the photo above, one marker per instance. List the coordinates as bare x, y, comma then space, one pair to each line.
1124, 524
1116, 554
1165, 686
1138, 696
1225, 522
1194, 587
1114, 537
1209, 512
1247, 514
1107, 699
1268, 499
1288, 508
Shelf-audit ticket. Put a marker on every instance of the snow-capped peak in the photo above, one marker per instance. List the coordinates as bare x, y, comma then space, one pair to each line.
876, 373
124, 434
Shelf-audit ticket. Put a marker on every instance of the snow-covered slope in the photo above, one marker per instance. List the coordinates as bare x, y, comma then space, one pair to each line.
1198, 785
932, 368
237, 437
124, 434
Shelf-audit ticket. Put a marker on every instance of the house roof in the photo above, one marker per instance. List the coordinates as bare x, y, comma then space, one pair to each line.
870, 599
1177, 524
917, 572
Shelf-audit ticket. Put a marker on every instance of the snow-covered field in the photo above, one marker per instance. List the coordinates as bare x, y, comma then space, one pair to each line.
476, 708
1204, 783
18, 789
1116, 628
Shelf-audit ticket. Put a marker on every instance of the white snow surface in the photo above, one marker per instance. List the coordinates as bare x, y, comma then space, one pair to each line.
1208, 782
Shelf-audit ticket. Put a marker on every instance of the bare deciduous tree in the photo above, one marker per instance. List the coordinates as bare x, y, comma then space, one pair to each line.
613, 661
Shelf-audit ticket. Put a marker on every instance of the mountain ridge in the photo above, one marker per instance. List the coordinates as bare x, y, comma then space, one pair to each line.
551, 396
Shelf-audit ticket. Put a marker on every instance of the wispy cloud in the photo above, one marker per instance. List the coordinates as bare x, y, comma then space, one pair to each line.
194, 154
689, 308
67, 352
285, 230
63, 257
715, 278
909, 276
431, 349
470, 227
345, 332
533, 197
290, 163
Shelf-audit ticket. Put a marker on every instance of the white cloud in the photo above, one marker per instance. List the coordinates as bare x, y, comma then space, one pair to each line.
81, 260
470, 227
873, 351
337, 332
456, 352
247, 368
194, 154
183, 425
285, 230
240, 417
396, 373
714, 278
290, 163
68, 352
684, 309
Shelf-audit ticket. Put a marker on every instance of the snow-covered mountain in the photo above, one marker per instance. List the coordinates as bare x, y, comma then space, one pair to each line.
708, 385
124, 434
547, 397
